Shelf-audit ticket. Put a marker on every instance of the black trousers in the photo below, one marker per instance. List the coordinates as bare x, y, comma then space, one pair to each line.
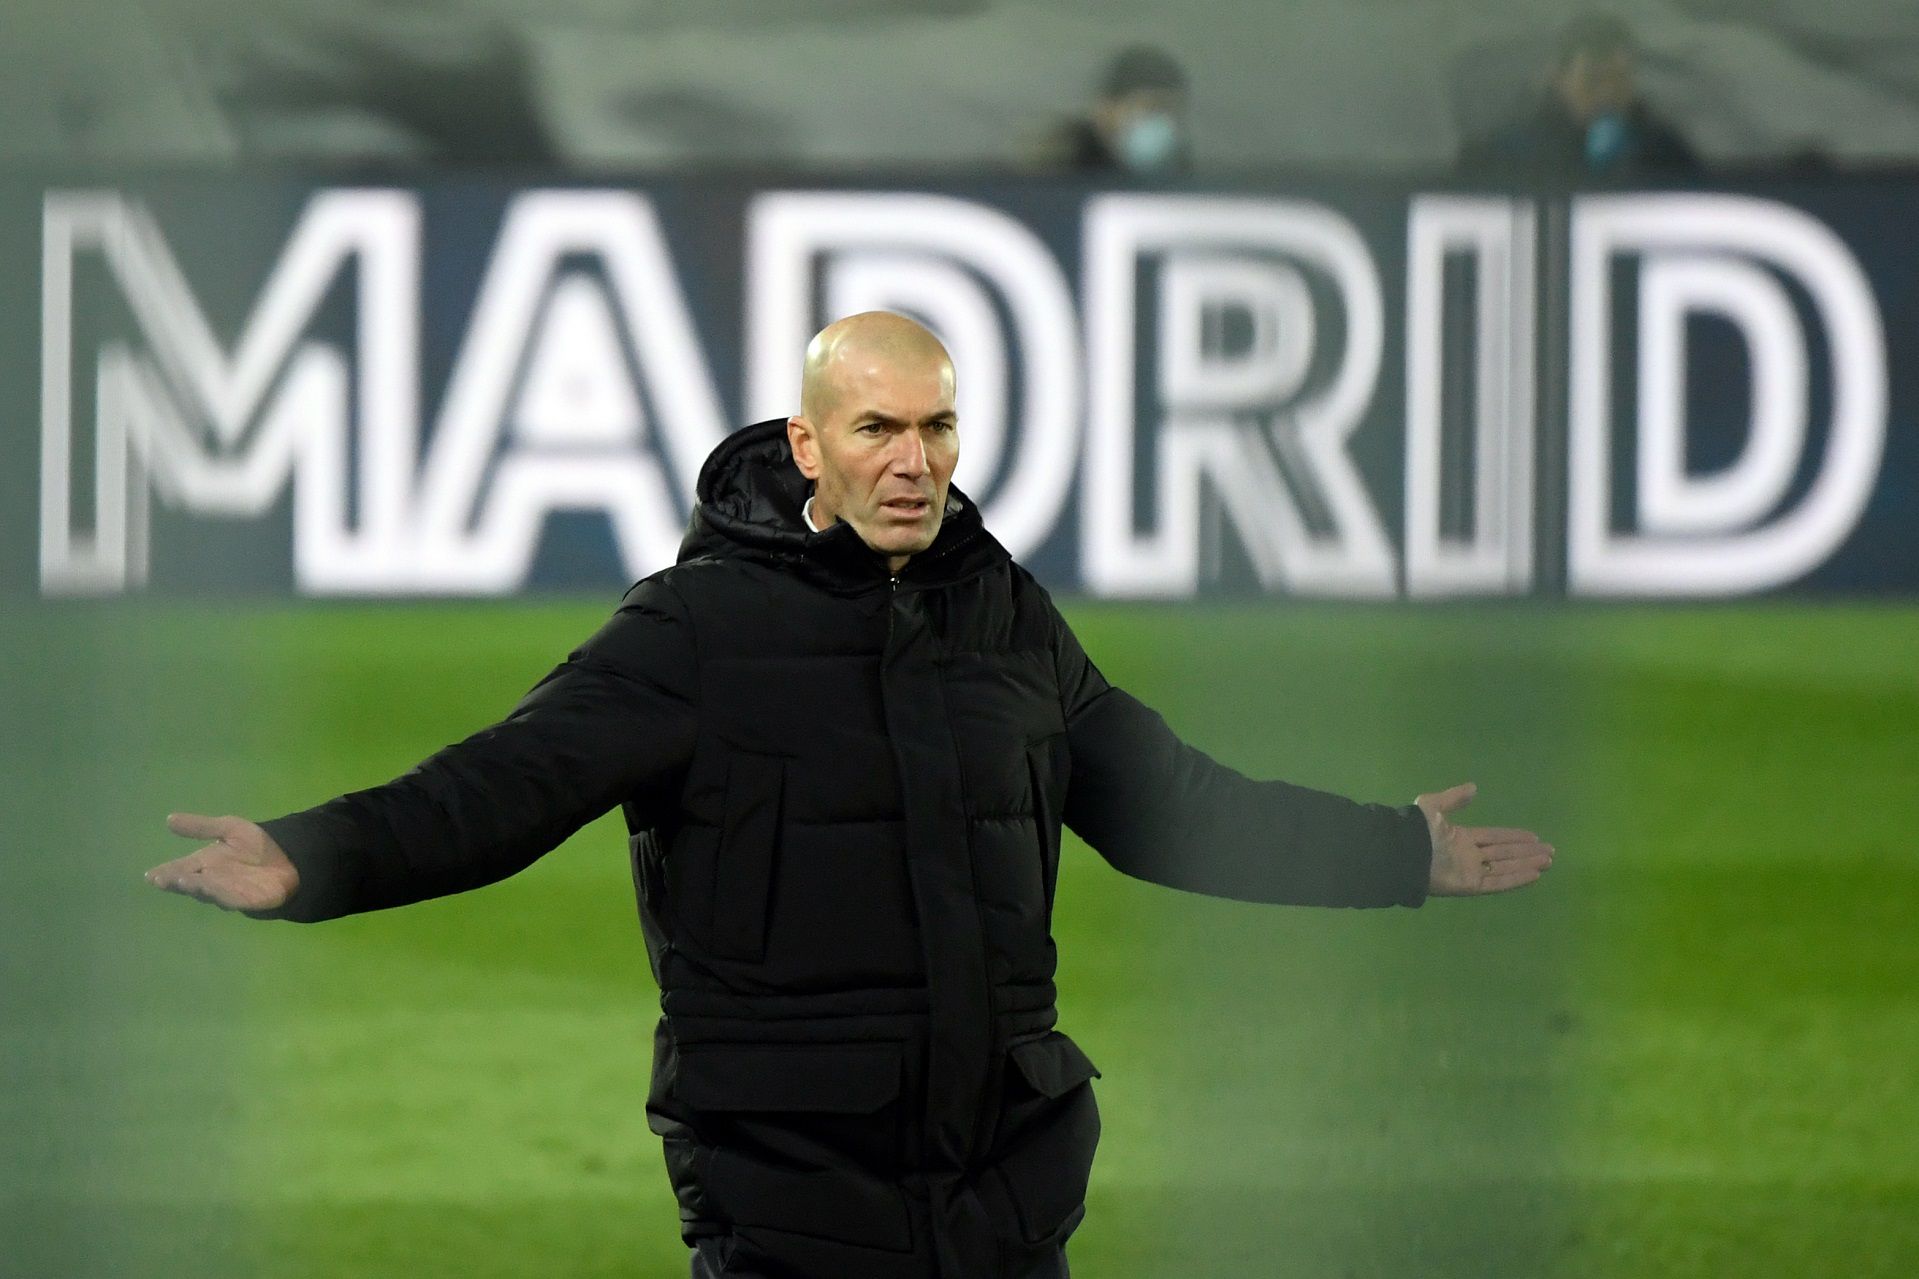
969, 1230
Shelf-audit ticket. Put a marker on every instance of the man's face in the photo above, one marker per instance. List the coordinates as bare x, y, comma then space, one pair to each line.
883, 452
1594, 82
1145, 129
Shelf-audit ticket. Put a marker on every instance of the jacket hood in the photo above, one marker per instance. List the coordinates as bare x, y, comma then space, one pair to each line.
750, 498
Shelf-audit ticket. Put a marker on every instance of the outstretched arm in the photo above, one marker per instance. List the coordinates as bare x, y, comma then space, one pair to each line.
613, 722
1163, 811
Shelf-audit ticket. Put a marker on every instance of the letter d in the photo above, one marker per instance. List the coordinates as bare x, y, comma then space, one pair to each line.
1709, 254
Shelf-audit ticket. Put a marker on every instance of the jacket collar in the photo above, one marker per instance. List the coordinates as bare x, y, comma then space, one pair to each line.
750, 494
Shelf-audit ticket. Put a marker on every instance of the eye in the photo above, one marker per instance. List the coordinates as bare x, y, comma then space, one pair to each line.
871, 428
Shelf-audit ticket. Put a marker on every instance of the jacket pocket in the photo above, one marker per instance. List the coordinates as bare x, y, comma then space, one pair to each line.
803, 1137
1049, 1132
835, 1079
749, 847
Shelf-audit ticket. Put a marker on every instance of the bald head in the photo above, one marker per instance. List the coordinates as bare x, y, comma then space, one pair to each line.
877, 433
863, 346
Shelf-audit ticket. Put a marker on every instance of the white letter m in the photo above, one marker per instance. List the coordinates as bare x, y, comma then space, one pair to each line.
174, 411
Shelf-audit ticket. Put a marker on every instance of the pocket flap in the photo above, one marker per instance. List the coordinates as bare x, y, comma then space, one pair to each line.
743, 880
851, 1079
1054, 1064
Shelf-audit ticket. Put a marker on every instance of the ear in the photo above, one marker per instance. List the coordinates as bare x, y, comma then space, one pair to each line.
805, 446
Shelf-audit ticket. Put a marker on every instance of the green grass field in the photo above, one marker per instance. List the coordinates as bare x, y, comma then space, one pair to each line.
1693, 1050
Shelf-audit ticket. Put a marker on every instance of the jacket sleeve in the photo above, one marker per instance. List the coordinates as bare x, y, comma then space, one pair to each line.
614, 722
1162, 811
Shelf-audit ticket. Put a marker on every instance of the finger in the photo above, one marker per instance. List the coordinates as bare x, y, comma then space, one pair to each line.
1502, 881
1507, 861
1493, 866
1532, 861
181, 873
1458, 797
184, 882
1492, 836
164, 874
196, 826
1503, 854
222, 886
204, 888
1515, 848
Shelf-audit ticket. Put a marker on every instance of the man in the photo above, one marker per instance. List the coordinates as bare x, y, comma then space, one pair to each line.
412, 82
1591, 121
1137, 126
845, 730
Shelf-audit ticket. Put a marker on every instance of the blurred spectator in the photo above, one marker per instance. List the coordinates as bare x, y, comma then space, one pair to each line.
1137, 124
1591, 119
401, 81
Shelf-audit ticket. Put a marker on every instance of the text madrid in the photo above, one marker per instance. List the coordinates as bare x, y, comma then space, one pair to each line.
1205, 375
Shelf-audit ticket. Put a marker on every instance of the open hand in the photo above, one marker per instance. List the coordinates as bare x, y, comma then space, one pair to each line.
1472, 860
242, 869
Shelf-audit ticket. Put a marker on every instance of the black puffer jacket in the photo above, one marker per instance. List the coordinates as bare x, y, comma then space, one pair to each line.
845, 793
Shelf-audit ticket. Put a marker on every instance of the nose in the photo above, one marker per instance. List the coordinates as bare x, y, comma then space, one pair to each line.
909, 454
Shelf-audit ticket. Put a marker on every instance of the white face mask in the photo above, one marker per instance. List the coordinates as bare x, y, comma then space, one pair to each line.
1149, 142
1606, 140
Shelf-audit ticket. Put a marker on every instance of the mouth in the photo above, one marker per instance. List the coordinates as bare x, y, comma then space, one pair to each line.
907, 507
